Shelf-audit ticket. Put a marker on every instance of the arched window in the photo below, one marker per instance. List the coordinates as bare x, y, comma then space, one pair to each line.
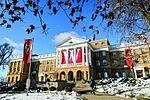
8, 79
12, 79
124, 74
16, 78
116, 74
105, 74
99, 75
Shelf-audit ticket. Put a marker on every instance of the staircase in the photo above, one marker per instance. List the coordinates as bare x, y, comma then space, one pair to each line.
81, 87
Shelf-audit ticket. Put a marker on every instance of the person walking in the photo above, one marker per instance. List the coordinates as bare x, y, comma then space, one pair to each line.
92, 84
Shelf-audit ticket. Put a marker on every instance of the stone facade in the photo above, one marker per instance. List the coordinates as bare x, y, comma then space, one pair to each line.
78, 59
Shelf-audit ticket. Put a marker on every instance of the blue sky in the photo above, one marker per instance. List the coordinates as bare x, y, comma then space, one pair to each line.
59, 29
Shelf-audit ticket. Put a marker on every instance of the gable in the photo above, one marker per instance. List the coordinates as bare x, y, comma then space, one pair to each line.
71, 41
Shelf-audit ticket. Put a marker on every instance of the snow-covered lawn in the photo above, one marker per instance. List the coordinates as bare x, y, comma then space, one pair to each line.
133, 88
42, 96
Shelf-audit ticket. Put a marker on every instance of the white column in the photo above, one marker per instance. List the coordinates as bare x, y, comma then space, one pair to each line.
87, 60
90, 57
67, 58
74, 57
60, 58
83, 60
57, 59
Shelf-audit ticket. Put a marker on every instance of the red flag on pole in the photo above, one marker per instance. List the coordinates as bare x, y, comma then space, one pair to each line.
27, 51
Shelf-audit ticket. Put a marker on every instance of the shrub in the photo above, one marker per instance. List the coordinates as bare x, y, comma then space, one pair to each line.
59, 88
45, 89
52, 88
19, 86
68, 88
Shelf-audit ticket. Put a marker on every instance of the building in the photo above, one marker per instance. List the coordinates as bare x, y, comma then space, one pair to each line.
78, 59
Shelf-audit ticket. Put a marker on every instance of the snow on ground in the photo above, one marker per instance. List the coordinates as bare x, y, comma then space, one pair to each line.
42, 96
125, 87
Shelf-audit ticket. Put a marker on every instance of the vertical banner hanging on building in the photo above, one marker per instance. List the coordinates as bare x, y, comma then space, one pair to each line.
71, 56
63, 53
128, 57
79, 55
27, 51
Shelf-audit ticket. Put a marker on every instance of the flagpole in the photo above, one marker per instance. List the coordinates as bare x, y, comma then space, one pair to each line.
29, 79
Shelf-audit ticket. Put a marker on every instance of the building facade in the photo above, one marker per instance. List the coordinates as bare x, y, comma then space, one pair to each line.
79, 59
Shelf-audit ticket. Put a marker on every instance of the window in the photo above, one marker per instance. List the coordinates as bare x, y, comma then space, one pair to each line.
103, 43
121, 53
97, 54
12, 79
105, 74
16, 78
142, 50
99, 75
115, 62
103, 53
124, 74
145, 60
136, 61
122, 62
135, 52
50, 68
8, 79
114, 53
96, 44
104, 62
116, 74
97, 63
18, 63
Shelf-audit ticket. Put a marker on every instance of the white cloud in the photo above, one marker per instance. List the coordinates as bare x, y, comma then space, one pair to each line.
62, 36
18, 47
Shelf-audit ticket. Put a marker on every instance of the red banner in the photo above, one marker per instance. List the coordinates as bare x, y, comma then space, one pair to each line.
128, 57
71, 56
79, 55
63, 58
27, 50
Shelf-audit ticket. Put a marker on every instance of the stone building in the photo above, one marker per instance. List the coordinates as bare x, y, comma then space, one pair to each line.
78, 59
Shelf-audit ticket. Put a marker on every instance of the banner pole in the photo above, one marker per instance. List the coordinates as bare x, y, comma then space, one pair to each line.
29, 79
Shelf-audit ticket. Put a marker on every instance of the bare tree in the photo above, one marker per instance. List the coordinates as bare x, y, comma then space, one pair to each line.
5, 52
123, 15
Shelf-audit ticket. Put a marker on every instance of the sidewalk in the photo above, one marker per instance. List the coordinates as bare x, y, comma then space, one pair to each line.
102, 97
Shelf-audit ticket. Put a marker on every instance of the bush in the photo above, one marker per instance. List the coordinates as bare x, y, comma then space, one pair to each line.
68, 88
45, 89
59, 88
19, 86
52, 88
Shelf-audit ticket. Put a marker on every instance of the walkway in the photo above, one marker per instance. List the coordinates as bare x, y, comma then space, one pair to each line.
102, 97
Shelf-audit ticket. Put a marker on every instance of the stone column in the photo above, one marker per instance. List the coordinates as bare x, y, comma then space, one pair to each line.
67, 57
90, 62
83, 60
87, 60
74, 57
57, 59
60, 58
